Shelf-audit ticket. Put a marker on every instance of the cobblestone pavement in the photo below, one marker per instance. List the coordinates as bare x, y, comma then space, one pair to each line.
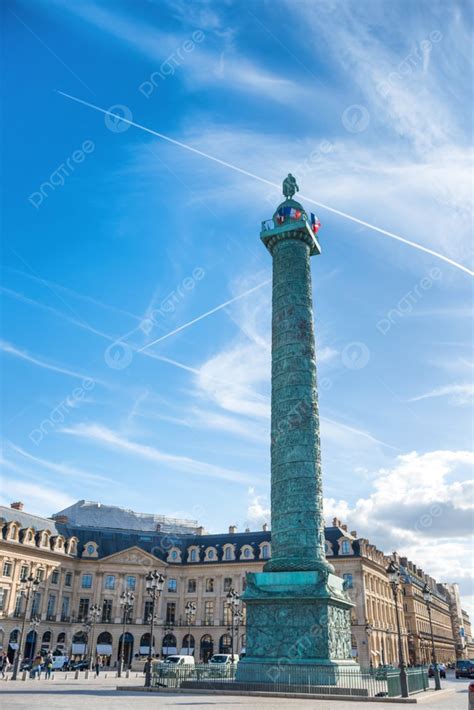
101, 694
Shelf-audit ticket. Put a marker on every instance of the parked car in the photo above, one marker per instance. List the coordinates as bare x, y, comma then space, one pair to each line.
464, 669
79, 666
441, 668
221, 664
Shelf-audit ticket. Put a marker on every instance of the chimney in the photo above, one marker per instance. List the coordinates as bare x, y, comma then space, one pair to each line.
18, 505
158, 527
61, 519
344, 527
265, 527
247, 529
354, 533
232, 529
335, 522
200, 530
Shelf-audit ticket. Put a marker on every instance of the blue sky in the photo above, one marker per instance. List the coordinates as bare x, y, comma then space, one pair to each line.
115, 238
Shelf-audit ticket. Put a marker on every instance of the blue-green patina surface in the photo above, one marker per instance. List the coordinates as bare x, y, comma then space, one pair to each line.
297, 609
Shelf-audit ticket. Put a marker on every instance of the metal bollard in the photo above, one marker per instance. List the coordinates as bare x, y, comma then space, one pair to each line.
76, 675
127, 674
24, 676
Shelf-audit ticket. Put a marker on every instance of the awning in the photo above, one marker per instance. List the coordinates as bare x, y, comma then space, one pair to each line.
78, 648
13, 646
184, 651
105, 649
170, 650
145, 650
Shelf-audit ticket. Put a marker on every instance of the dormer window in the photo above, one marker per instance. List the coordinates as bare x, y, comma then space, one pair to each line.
192, 556
265, 552
328, 548
346, 548
211, 554
247, 552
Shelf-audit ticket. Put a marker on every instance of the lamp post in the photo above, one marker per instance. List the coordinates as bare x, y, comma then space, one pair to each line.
427, 597
154, 583
233, 601
94, 614
393, 573
190, 613
368, 630
126, 602
34, 623
30, 584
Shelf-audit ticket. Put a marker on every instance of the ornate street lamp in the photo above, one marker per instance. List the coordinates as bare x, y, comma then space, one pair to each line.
94, 614
233, 602
190, 613
30, 584
427, 597
393, 573
154, 583
127, 600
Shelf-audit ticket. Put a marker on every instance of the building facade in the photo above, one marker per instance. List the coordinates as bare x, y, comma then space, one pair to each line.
90, 554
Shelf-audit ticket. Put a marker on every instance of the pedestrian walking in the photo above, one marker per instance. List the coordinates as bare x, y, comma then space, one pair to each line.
98, 665
36, 667
3, 665
48, 664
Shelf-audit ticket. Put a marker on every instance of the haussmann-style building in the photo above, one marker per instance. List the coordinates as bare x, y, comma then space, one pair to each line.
90, 553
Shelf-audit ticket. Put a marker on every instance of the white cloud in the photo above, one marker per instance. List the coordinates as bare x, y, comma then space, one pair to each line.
63, 469
460, 394
106, 437
23, 355
422, 507
258, 509
39, 498
219, 66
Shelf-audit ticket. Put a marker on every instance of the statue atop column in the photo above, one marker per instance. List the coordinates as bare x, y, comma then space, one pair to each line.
289, 186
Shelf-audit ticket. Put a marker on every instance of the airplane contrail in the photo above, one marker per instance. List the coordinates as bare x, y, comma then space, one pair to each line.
204, 315
420, 247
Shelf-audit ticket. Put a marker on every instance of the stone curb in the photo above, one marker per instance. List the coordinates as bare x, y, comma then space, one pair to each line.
262, 694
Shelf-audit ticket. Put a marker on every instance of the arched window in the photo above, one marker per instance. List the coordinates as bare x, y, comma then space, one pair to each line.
228, 553
104, 637
127, 648
188, 645
145, 645
225, 644
192, 556
61, 638
207, 647
247, 553
265, 552
169, 645
79, 637
46, 637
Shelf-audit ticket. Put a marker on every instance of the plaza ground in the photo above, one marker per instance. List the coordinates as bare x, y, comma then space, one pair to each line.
101, 694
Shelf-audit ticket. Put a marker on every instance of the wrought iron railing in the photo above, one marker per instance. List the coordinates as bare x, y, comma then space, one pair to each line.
317, 680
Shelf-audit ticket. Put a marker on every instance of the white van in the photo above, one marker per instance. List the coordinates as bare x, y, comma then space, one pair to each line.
60, 663
178, 664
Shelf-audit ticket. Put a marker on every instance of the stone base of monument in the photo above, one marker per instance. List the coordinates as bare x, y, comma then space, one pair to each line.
298, 629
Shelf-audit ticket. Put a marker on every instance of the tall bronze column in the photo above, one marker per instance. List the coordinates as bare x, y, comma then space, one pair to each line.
298, 613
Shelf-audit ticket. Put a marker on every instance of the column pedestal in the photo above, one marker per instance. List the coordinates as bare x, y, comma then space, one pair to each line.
298, 628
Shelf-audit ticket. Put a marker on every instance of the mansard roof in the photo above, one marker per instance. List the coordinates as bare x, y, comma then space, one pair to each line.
26, 520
